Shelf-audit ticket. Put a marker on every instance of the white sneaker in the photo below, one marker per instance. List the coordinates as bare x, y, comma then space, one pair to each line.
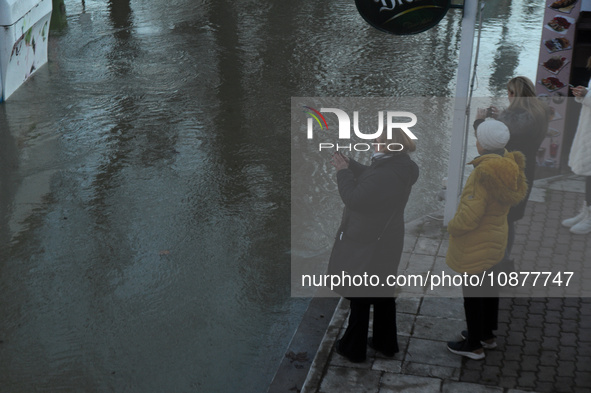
584, 213
584, 226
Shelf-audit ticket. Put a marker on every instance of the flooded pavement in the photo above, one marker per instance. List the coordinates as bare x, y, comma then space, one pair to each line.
145, 181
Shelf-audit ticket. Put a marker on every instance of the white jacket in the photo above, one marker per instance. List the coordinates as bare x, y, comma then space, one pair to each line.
580, 153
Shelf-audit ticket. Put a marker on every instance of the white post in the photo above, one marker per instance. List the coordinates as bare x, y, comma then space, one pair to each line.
456, 150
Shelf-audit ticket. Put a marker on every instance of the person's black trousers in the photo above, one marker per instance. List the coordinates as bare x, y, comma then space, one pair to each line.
354, 341
482, 312
510, 239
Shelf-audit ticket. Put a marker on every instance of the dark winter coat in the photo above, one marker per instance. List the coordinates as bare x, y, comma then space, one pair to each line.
372, 194
527, 134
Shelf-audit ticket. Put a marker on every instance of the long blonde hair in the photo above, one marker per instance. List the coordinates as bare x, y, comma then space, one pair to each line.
524, 97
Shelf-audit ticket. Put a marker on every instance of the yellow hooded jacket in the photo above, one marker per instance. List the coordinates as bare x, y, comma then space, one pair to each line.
478, 231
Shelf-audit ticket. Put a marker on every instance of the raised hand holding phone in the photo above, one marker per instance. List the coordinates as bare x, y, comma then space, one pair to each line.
339, 161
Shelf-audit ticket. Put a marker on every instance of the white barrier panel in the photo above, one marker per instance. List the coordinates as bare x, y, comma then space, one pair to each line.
24, 31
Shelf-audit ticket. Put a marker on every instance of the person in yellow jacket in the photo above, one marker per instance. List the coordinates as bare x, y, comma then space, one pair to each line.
478, 231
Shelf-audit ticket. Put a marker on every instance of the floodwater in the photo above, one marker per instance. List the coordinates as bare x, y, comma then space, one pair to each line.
145, 181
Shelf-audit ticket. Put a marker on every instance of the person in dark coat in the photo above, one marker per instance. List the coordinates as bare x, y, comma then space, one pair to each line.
527, 119
375, 197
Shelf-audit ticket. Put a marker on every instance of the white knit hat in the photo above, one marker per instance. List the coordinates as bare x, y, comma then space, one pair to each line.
492, 134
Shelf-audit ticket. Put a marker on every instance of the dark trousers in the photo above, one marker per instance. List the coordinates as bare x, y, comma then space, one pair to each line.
588, 190
354, 341
482, 313
510, 238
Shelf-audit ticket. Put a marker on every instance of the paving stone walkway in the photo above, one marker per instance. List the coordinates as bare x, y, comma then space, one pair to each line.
544, 343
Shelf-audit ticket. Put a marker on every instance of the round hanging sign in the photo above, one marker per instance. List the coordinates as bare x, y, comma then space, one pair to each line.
403, 16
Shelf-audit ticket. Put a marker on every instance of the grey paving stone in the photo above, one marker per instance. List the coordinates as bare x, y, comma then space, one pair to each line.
568, 339
443, 248
429, 370
584, 364
427, 246
491, 375
566, 369
519, 391
409, 242
409, 305
571, 313
507, 382
535, 321
495, 358
404, 323
519, 310
517, 325
534, 335
404, 258
512, 352
470, 376
463, 387
409, 384
536, 308
387, 365
431, 352
341, 361
526, 379
475, 365
545, 387
552, 330
583, 380
515, 337
563, 385
548, 358
438, 329
511, 368
555, 304
432, 228
569, 326
546, 373
419, 264
443, 307
503, 329
567, 353
344, 379
529, 363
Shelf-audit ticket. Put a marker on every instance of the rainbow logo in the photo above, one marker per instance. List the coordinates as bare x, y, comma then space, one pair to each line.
313, 112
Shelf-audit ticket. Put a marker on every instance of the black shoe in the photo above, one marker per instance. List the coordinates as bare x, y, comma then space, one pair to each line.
352, 359
464, 349
489, 343
386, 353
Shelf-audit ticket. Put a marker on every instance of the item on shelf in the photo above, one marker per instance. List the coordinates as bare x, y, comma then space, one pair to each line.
557, 5
559, 24
557, 44
551, 83
555, 64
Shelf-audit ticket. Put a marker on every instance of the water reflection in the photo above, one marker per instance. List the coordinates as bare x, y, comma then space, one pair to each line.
9, 164
507, 54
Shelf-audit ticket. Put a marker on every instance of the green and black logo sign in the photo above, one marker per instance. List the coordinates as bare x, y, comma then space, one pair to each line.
403, 16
